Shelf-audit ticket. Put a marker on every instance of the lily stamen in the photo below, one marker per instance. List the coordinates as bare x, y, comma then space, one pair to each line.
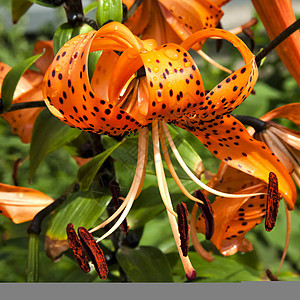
197, 245
172, 170
161, 178
191, 174
135, 188
183, 227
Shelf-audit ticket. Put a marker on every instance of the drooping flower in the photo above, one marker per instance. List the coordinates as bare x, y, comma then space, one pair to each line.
21, 204
29, 88
276, 17
147, 84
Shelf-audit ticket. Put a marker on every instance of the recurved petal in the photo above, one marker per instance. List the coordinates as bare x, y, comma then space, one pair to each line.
289, 111
67, 79
235, 217
187, 17
44, 61
276, 17
21, 204
229, 141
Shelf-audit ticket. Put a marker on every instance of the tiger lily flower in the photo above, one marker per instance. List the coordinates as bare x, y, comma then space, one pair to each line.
29, 88
21, 204
276, 17
168, 88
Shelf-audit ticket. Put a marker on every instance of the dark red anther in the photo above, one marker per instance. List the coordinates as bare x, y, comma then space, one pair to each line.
271, 276
207, 213
76, 246
94, 252
272, 202
116, 194
183, 227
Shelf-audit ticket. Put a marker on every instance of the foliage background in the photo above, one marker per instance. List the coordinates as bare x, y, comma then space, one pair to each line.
275, 88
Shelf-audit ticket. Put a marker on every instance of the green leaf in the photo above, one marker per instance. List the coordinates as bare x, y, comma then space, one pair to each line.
109, 10
62, 34
48, 3
19, 8
90, 7
221, 269
81, 209
49, 134
144, 264
12, 78
88, 171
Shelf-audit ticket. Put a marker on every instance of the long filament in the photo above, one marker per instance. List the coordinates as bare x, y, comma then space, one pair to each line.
287, 237
213, 62
193, 177
163, 188
161, 178
135, 188
198, 247
173, 172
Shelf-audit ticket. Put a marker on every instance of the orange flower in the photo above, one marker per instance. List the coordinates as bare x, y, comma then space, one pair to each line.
29, 88
154, 85
173, 20
276, 17
21, 204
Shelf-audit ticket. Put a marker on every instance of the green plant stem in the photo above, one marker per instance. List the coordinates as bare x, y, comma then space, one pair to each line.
279, 39
33, 258
132, 10
24, 105
74, 12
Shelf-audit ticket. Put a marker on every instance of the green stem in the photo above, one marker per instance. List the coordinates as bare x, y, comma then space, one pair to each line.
24, 105
33, 258
132, 10
74, 12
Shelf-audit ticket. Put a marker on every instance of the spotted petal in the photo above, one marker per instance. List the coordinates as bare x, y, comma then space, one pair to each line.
235, 217
229, 141
290, 111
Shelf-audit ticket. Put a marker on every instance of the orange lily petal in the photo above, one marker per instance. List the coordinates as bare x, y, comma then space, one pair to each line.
103, 73
22, 121
44, 61
289, 111
141, 18
21, 204
67, 78
171, 74
187, 17
235, 217
229, 141
276, 17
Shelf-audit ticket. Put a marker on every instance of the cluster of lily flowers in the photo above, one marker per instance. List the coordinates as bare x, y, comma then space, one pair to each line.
141, 85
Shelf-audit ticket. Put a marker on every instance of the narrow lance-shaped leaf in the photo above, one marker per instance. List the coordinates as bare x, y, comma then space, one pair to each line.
49, 134
11, 80
80, 209
87, 172
19, 8
144, 264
